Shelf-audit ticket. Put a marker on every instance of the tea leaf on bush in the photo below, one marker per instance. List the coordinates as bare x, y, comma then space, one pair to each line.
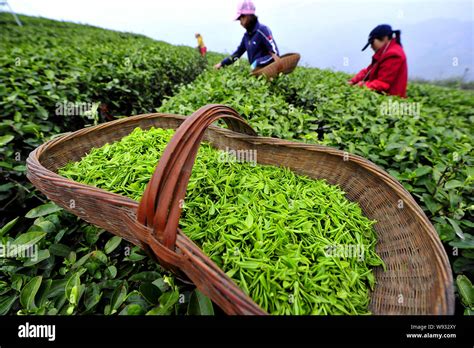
199, 304
27, 295
43, 210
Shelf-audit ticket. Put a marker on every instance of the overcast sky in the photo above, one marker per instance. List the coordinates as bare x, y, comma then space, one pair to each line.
312, 27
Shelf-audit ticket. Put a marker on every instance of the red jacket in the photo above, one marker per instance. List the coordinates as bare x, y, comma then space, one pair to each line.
388, 71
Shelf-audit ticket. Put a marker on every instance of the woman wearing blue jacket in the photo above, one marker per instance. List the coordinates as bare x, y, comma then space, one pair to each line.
257, 41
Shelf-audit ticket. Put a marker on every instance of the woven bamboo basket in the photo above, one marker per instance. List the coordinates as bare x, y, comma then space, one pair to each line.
418, 278
286, 64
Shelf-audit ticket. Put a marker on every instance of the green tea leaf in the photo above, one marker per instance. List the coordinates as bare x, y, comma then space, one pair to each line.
462, 264
112, 244
27, 295
6, 302
59, 250
456, 228
25, 241
5, 139
167, 301
249, 220
150, 292
452, 184
118, 297
132, 309
92, 296
147, 276
8, 226
7, 187
39, 257
43, 210
74, 282
200, 304
421, 171
466, 290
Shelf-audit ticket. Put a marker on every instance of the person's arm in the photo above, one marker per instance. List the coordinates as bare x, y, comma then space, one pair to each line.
359, 77
236, 55
388, 71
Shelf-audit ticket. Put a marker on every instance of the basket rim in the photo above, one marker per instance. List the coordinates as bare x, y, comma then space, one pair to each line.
276, 65
34, 164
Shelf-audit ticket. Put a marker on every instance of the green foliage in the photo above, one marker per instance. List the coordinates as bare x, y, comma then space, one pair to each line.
48, 62
200, 304
42, 64
268, 112
425, 141
466, 292
272, 231
70, 274
58, 77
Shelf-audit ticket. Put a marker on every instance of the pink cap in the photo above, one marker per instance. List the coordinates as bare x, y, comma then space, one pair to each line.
245, 7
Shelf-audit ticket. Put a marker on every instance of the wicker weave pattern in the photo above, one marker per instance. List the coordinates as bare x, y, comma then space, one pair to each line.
418, 269
286, 64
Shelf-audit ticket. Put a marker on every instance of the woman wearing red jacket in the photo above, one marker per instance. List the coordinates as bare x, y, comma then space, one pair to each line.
388, 72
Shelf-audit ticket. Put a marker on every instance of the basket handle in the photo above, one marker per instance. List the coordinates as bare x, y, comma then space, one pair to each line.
160, 207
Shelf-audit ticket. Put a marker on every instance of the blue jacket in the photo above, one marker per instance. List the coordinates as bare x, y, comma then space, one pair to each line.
258, 43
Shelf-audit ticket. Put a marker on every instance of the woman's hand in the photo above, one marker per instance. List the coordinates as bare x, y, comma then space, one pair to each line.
360, 83
218, 66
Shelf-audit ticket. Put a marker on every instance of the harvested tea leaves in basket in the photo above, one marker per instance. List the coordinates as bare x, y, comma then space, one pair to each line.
295, 245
